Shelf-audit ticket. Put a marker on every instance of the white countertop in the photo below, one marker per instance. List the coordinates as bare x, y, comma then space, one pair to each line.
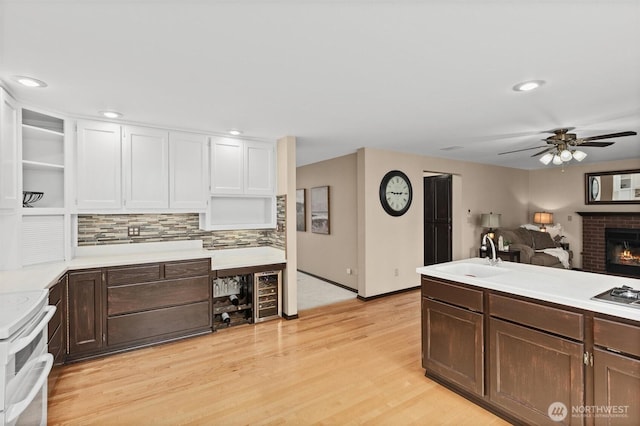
561, 286
44, 275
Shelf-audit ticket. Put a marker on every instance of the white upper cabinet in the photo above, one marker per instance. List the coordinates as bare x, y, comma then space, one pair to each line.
259, 168
227, 166
9, 165
242, 167
188, 171
99, 152
146, 168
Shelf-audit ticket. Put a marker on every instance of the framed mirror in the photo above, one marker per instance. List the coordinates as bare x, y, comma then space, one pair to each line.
617, 187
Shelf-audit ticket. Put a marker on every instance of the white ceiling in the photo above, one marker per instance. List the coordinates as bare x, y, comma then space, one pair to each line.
411, 76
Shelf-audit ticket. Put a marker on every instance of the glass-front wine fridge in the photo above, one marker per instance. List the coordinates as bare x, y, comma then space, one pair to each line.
267, 289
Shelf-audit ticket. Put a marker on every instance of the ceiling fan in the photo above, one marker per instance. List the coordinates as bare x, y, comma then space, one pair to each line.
560, 147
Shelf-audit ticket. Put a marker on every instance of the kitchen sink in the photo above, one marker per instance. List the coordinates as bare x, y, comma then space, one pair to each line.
471, 270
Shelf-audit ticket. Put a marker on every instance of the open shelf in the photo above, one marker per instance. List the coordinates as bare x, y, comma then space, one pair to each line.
37, 165
43, 159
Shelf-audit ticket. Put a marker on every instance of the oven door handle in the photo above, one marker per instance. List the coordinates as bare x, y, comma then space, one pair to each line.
15, 410
22, 342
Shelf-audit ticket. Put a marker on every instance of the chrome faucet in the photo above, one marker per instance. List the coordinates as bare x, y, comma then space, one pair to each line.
494, 260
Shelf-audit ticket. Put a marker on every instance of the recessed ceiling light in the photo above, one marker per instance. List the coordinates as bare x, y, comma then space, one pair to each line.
29, 81
111, 114
235, 132
526, 86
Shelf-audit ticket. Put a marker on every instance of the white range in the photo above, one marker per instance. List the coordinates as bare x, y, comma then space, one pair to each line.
24, 361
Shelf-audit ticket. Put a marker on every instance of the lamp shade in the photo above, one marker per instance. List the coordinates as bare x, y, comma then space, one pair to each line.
490, 220
543, 218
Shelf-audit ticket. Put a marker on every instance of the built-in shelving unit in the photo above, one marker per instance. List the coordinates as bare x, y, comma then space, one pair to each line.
43, 158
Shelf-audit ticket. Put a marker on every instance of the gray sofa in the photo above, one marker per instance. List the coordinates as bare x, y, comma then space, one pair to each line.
528, 241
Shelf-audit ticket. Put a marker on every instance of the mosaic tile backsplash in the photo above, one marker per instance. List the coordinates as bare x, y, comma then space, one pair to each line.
113, 229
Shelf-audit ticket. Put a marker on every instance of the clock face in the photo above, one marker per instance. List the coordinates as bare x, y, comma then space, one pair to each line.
395, 193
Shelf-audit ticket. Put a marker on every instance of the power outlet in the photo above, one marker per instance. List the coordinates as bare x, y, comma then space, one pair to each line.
349, 271
396, 272
134, 231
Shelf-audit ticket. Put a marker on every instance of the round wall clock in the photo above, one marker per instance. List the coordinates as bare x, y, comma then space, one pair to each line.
395, 193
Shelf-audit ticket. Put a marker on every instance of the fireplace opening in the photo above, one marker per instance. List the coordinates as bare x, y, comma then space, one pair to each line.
623, 251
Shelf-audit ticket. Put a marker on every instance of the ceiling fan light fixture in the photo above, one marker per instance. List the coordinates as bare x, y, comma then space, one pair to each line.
557, 160
565, 155
546, 159
579, 155
527, 86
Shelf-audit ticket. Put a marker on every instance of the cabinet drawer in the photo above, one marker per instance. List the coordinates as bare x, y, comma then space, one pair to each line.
55, 293
617, 336
55, 321
141, 297
454, 294
153, 325
191, 268
56, 347
553, 320
133, 274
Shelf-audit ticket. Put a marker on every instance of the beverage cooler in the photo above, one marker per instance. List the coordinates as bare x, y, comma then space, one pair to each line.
267, 288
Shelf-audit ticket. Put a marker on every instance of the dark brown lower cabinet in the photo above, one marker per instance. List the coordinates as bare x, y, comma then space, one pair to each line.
85, 312
617, 387
530, 370
453, 347
57, 330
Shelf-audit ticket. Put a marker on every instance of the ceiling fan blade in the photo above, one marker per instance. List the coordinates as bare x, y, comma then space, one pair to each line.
543, 151
609, 136
520, 150
596, 144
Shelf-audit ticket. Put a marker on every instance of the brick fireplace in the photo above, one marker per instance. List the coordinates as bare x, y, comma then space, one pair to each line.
593, 236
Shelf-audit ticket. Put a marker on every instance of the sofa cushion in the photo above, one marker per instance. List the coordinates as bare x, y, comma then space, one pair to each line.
510, 236
542, 240
524, 237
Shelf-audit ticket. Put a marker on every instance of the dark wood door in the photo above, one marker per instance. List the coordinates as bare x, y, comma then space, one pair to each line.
531, 370
617, 386
437, 219
452, 344
86, 312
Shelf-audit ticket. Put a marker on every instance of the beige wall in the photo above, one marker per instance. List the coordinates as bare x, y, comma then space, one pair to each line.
365, 238
391, 243
329, 256
561, 191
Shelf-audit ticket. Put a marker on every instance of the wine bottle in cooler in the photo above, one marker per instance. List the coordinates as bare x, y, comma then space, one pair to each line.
234, 299
226, 319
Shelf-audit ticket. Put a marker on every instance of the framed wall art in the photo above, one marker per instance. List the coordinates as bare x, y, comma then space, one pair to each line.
301, 210
320, 210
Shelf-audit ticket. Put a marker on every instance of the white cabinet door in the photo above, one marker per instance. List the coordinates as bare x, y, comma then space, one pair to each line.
146, 168
227, 166
9, 196
259, 168
188, 177
99, 184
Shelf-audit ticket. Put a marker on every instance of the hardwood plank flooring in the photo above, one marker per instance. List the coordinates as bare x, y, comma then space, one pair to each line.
350, 363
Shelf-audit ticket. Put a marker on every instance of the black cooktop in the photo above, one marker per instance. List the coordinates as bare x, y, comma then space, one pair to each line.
624, 295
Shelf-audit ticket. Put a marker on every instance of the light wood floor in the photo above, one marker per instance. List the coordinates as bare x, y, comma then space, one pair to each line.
350, 363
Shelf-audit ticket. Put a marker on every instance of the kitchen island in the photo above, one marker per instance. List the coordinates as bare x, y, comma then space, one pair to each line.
529, 343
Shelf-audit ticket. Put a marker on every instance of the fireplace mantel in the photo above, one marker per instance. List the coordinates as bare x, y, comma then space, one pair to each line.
608, 213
